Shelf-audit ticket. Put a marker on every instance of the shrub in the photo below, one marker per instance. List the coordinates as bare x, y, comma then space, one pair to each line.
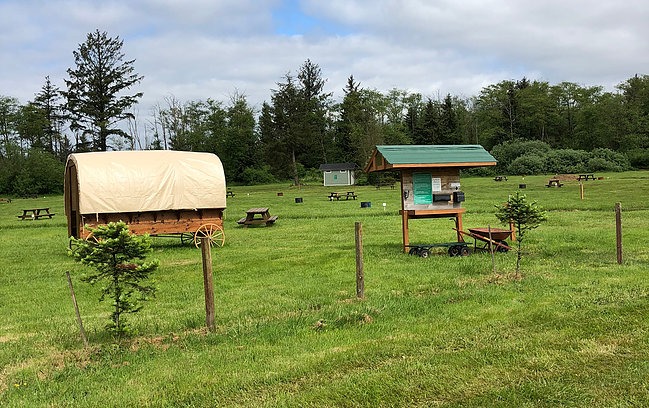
36, 173
312, 176
507, 152
566, 161
618, 160
257, 175
480, 171
600, 164
527, 164
638, 158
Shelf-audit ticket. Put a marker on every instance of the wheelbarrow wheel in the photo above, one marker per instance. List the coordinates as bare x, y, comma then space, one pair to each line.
213, 232
500, 248
454, 250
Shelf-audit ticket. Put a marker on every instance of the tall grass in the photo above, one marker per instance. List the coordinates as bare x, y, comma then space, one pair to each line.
431, 332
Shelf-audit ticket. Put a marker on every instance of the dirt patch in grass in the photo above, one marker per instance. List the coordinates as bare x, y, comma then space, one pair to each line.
44, 366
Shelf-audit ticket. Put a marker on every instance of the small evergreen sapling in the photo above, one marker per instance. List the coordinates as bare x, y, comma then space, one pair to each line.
119, 260
525, 215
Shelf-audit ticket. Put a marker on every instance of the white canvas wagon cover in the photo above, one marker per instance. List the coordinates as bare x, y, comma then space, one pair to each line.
150, 180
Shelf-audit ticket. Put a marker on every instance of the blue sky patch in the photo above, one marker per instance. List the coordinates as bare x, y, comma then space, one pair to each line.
290, 19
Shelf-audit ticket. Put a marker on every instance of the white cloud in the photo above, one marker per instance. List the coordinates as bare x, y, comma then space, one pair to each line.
209, 49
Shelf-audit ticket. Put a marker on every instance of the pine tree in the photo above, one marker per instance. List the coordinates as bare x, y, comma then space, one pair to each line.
119, 259
525, 216
94, 100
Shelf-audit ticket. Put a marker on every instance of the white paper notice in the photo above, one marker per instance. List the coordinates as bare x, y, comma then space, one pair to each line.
437, 184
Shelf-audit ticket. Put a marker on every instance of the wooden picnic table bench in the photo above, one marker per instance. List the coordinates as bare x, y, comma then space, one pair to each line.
554, 183
350, 194
257, 216
337, 196
586, 177
36, 213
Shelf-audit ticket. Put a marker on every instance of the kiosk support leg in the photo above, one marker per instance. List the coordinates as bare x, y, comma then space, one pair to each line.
404, 224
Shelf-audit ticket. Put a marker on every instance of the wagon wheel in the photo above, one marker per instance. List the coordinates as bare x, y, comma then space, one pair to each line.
186, 237
424, 253
465, 251
454, 250
413, 251
213, 232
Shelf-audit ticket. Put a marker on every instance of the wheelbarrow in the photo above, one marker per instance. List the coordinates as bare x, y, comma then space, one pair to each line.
481, 235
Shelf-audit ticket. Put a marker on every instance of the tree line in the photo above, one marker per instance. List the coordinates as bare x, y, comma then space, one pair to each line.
302, 126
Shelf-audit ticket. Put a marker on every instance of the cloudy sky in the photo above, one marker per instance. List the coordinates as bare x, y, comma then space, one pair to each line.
199, 49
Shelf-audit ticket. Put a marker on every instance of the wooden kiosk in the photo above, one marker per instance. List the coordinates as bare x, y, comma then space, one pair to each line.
430, 178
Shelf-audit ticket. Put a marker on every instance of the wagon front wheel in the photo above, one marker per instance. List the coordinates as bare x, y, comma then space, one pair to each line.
213, 232
186, 237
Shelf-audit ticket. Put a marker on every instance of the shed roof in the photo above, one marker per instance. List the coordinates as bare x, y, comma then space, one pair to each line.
337, 166
396, 157
151, 180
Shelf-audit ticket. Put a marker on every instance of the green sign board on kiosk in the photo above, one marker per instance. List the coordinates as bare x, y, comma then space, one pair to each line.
423, 188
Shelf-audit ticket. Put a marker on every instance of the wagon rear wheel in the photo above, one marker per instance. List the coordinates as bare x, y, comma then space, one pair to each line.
213, 232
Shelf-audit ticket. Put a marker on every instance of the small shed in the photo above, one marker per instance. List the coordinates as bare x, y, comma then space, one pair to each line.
338, 174
430, 178
155, 192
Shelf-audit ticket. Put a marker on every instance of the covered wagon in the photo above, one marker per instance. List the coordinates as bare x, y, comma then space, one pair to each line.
156, 192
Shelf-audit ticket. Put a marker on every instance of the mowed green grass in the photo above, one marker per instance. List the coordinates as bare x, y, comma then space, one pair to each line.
451, 332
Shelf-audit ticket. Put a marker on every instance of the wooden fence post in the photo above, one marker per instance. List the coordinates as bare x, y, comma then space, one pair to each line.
360, 274
581, 190
618, 231
206, 251
76, 310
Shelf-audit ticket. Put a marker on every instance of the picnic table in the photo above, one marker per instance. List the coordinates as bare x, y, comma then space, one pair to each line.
36, 213
500, 178
257, 216
335, 195
554, 183
5, 200
586, 177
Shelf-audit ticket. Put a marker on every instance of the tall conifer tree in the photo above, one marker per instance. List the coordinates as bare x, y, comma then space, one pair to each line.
94, 90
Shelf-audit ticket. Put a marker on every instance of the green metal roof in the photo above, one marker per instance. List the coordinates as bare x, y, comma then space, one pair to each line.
435, 154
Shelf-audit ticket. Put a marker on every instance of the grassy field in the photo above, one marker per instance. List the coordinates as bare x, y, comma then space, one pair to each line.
442, 331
